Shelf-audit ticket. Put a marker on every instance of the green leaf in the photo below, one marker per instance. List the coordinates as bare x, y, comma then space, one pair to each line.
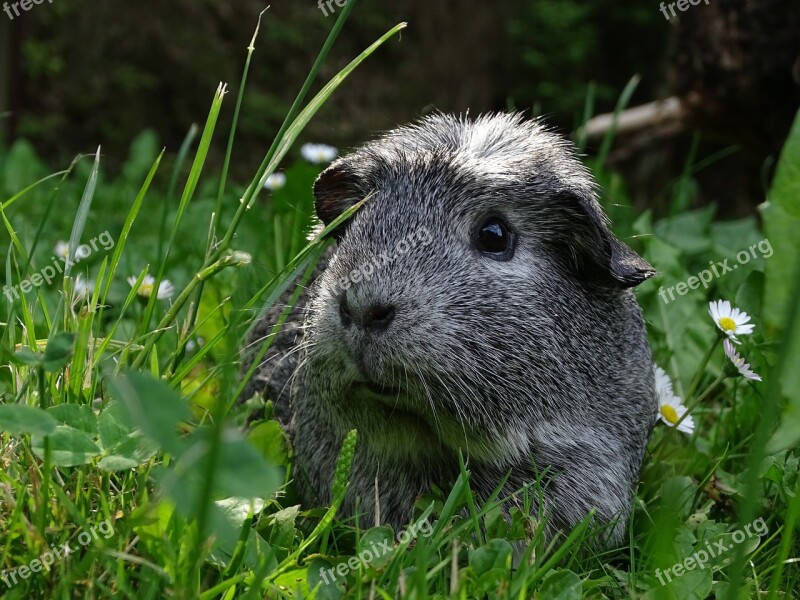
18, 419
781, 214
227, 520
295, 583
242, 471
58, 351
732, 237
124, 447
128, 453
270, 439
327, 584
281, 531
495, 554
69, 447
239, 471
78, 416
692, 585
687, 231
750, 294
373, 546
112, 425
26, 356
560, 585
153, 407
781, 268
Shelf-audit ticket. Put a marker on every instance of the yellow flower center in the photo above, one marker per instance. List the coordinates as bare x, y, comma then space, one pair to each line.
670, 414
146, 290
727, 324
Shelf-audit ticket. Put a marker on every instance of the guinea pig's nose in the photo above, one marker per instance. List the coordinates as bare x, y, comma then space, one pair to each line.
373, 316
377, 316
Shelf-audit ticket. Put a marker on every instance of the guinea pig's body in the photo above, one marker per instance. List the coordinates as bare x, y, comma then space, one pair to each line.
476, 303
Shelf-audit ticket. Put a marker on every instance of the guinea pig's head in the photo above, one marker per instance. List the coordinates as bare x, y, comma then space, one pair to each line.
467, 292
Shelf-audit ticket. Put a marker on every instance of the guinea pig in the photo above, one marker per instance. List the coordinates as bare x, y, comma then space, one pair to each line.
476, 303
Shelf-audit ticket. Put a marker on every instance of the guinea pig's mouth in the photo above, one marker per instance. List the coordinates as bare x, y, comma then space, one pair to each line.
383, 390
385, 394
389, 401
395, 398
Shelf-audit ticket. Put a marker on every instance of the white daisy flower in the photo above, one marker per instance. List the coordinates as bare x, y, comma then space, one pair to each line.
318, 153
663, 383
670, 406
671, 411
83, 288
743, 368
61, 249
165, 288
275, 181
731, 321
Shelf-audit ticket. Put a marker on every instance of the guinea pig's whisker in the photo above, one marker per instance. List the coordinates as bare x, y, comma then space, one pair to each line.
454, 402
260, 340
429, 400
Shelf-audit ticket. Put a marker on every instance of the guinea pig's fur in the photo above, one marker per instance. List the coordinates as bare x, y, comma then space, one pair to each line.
534, 363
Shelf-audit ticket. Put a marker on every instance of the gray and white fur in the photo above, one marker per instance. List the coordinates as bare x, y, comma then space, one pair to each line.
532, 363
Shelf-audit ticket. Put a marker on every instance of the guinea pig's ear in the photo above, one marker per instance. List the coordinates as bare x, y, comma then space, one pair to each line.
599, 254
335, 190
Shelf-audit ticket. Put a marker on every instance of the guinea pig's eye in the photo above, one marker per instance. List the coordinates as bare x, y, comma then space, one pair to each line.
495, 240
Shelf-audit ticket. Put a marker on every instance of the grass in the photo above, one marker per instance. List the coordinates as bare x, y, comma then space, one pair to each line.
121, 437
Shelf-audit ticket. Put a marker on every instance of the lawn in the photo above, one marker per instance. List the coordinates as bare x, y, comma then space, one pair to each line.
129, 469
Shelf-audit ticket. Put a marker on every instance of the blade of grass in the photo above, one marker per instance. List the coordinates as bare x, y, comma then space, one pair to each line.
236, 111
195, 306
285, 141
32, 187
624, 100
126, 228
83, 213
180, 160
588, 111
188, 193
27, 317
49, 210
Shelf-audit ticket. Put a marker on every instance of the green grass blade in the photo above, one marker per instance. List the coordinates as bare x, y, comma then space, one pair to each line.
624, 100
126, 227
285, 142
83, 213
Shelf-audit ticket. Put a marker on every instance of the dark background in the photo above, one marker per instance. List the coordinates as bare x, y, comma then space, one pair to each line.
81, 73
